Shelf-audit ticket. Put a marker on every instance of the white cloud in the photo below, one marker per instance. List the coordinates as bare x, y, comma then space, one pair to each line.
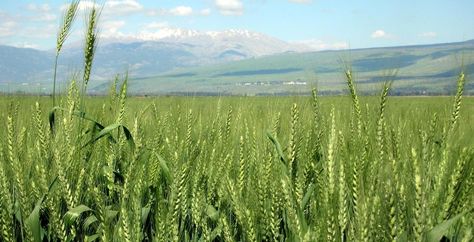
156, 25
7, 28
205, 12
156, 12
122, 7
301, 1
181, 11
111, 28
317, 44
83, 5
47, 31
41, 12
46, 17
111, 8
178, 11
38, 7
26, 45
377, 34
230, 7
428, 35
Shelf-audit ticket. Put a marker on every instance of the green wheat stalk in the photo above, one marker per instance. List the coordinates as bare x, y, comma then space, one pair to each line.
67, 20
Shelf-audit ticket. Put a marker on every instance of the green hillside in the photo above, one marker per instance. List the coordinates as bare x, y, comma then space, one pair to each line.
427, 69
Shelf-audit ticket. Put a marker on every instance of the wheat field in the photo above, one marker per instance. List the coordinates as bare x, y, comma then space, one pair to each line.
236, 169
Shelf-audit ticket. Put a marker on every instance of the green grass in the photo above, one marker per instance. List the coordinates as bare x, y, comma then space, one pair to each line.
205, 168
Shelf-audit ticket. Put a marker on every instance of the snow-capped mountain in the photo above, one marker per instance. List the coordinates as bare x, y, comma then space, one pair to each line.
228, 44
151, 53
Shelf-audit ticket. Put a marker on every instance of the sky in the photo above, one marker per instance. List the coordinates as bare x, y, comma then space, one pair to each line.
322, 24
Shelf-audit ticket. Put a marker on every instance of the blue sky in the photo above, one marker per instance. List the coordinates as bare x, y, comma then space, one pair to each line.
323, 24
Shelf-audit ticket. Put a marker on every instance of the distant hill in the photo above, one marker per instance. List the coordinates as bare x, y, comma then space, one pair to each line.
239, 62
22, 64
416, 70
145, 56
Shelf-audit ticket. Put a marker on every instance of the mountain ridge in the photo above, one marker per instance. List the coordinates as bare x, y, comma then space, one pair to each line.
176, 48
420, 70
170, 65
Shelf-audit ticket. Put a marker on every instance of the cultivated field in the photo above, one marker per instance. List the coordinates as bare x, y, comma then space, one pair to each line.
237, 169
